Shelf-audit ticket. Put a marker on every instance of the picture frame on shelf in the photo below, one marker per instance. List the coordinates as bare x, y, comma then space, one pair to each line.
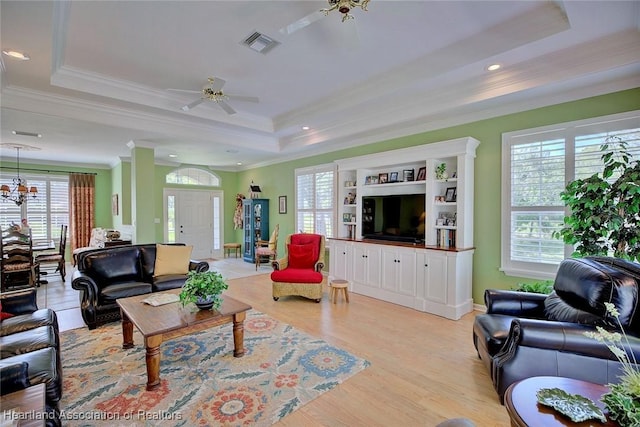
383, 178
422, 174
393, 177
346, 217
407, 174
367, 180
374, 179
450, 195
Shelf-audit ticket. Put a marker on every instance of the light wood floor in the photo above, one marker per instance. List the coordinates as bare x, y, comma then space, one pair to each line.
423, 370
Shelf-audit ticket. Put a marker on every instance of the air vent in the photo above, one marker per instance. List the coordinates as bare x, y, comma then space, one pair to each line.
22, 133
260, 42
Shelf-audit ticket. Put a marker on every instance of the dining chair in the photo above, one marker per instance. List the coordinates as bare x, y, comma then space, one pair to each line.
56, 258
17, 265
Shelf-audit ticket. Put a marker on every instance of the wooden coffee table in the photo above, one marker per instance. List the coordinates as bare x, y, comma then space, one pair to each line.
172, 320
525, 411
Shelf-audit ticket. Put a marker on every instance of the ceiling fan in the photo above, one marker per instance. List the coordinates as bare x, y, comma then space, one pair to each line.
342, 6
212, 91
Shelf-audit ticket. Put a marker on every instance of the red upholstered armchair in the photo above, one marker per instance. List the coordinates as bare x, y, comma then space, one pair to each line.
300, 271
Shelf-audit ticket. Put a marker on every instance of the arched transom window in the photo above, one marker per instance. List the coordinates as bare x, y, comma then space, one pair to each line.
193, 176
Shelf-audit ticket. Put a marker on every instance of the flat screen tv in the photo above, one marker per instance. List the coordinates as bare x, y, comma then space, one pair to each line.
398, 218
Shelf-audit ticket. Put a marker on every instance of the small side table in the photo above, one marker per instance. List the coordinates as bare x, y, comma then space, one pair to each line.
524, 410
337, 286
29, 403
228, 247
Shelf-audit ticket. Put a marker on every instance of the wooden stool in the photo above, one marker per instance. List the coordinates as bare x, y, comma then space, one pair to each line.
231, 246
338, 285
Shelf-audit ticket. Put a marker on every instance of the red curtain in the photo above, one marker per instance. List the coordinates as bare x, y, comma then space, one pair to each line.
82, 193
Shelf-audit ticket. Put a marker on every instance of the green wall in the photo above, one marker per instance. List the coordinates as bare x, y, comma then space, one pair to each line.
278, 180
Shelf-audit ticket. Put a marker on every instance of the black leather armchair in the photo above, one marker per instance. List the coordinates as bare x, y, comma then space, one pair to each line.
524, 334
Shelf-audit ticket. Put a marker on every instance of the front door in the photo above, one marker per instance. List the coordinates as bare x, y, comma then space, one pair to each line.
194, 217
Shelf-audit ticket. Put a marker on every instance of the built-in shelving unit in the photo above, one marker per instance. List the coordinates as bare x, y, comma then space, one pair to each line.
431, 274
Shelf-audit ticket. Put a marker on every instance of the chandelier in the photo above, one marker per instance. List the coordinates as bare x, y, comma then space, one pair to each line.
20, 193
345, 6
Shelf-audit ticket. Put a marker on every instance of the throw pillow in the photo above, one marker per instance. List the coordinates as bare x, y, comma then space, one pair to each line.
4, 315
302, 256
172, 259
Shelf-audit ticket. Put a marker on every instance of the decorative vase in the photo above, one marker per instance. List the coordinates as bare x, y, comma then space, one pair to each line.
205, 303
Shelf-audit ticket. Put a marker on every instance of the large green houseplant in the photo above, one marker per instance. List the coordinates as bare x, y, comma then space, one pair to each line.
605, 207
203, 289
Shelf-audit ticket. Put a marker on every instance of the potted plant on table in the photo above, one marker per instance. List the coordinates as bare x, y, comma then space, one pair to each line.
204, 289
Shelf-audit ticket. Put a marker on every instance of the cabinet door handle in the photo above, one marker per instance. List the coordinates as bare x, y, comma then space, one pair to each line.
426, 265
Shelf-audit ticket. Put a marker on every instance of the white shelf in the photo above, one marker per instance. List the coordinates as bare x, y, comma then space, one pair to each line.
446, 227
394, 184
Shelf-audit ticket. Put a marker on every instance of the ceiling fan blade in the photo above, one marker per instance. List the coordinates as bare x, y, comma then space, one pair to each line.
184, 90
226, 107
217, 83
242, 98
302, 22
193, 104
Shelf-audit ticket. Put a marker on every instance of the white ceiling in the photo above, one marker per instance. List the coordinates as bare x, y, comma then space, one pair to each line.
100, 70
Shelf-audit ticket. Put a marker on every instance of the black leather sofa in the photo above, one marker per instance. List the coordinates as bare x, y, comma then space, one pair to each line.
525, 334
30, 350
104, 275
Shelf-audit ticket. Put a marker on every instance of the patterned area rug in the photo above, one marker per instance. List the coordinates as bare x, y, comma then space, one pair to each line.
201, 382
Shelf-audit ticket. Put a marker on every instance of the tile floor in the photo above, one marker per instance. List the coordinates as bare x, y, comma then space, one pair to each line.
61, 297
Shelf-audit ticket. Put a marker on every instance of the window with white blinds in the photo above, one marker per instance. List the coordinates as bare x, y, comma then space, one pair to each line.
315, 199
46, 213
537, 165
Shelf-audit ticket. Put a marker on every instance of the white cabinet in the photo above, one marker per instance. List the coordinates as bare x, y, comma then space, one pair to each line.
399, 270
366, 267
341, 259
431, 280
443, 280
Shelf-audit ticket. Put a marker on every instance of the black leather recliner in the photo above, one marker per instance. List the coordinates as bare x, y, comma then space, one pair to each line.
525, 334
104, 275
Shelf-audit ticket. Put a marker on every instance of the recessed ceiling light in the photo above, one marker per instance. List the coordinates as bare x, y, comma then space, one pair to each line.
493, 67
16, 54
305, 128
173, 156
239, 163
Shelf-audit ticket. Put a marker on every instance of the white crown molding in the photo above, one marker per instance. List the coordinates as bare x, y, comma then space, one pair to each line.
80, 109
69, 77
